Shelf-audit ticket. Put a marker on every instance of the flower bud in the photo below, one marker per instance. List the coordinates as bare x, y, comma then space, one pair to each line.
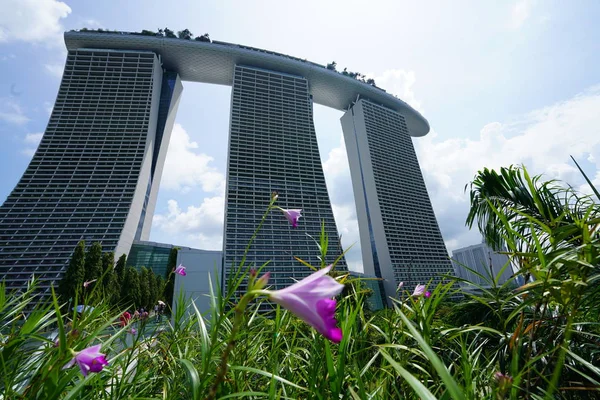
262, 281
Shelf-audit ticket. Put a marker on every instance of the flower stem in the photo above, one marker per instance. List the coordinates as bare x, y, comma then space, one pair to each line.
237, 322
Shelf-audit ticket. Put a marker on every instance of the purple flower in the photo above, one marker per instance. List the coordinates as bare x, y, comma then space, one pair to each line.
292, 216
133, 331
419, 291
400, 286
427, 294
180, 270
311, 300
88, 360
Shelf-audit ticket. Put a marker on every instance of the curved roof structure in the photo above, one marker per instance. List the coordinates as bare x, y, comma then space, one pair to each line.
215, 62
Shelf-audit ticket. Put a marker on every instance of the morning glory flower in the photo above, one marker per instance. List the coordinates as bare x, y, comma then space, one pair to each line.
88, 360
311, 300
292, 216
419, 290
180, 270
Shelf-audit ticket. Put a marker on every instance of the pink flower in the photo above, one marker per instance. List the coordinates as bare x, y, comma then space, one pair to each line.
88, 283
400, 286
292, 216
133, 331
427, 294
88, 360
419, 290
180, 270
311, 300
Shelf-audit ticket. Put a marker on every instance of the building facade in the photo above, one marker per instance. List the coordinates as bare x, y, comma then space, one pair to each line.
273, 148
96, 172
152, 255
480, 265
399, 235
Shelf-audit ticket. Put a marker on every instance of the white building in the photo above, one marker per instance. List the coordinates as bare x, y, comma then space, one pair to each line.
203, 269
399, 234
486, 262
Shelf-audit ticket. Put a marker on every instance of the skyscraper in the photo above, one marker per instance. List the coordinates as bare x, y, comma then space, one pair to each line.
96, 172
479, 264
399, 235
273, 147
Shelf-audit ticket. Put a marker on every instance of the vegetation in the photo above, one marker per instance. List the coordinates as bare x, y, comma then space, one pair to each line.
540, 341
93, 277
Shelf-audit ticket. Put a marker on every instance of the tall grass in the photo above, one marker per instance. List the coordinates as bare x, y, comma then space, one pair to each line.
540, 341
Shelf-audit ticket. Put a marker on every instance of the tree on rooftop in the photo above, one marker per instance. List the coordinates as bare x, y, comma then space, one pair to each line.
185, 34
93, 262
169, 33
144, 287
131, 294
203, 38
72, 281
110, 282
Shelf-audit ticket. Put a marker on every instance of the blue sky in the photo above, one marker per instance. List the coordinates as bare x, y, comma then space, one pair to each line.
501, 83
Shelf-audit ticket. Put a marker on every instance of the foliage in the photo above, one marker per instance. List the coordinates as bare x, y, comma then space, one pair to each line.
169, 33
154, 289
144, 277
93, 262
120, 267
72, 281
185, 34
110, 282
540, 341
203, 38
131, 292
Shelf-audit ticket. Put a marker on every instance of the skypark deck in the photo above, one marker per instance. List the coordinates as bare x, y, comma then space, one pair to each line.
214, 62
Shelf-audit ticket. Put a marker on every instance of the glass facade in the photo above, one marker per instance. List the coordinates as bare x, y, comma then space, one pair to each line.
273, 147
82, 183
154, 256
392, 201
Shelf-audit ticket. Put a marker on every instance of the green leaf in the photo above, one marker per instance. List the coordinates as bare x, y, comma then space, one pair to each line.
441, 369
192, 376
416, 384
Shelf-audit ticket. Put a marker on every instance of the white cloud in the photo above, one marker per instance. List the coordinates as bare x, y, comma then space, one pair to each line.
35, 21
8, 57
48, 107
543, 140
186, 168
199, 227
11, 112
520, 12
55, 69
399, 82
32, 140
92, 24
